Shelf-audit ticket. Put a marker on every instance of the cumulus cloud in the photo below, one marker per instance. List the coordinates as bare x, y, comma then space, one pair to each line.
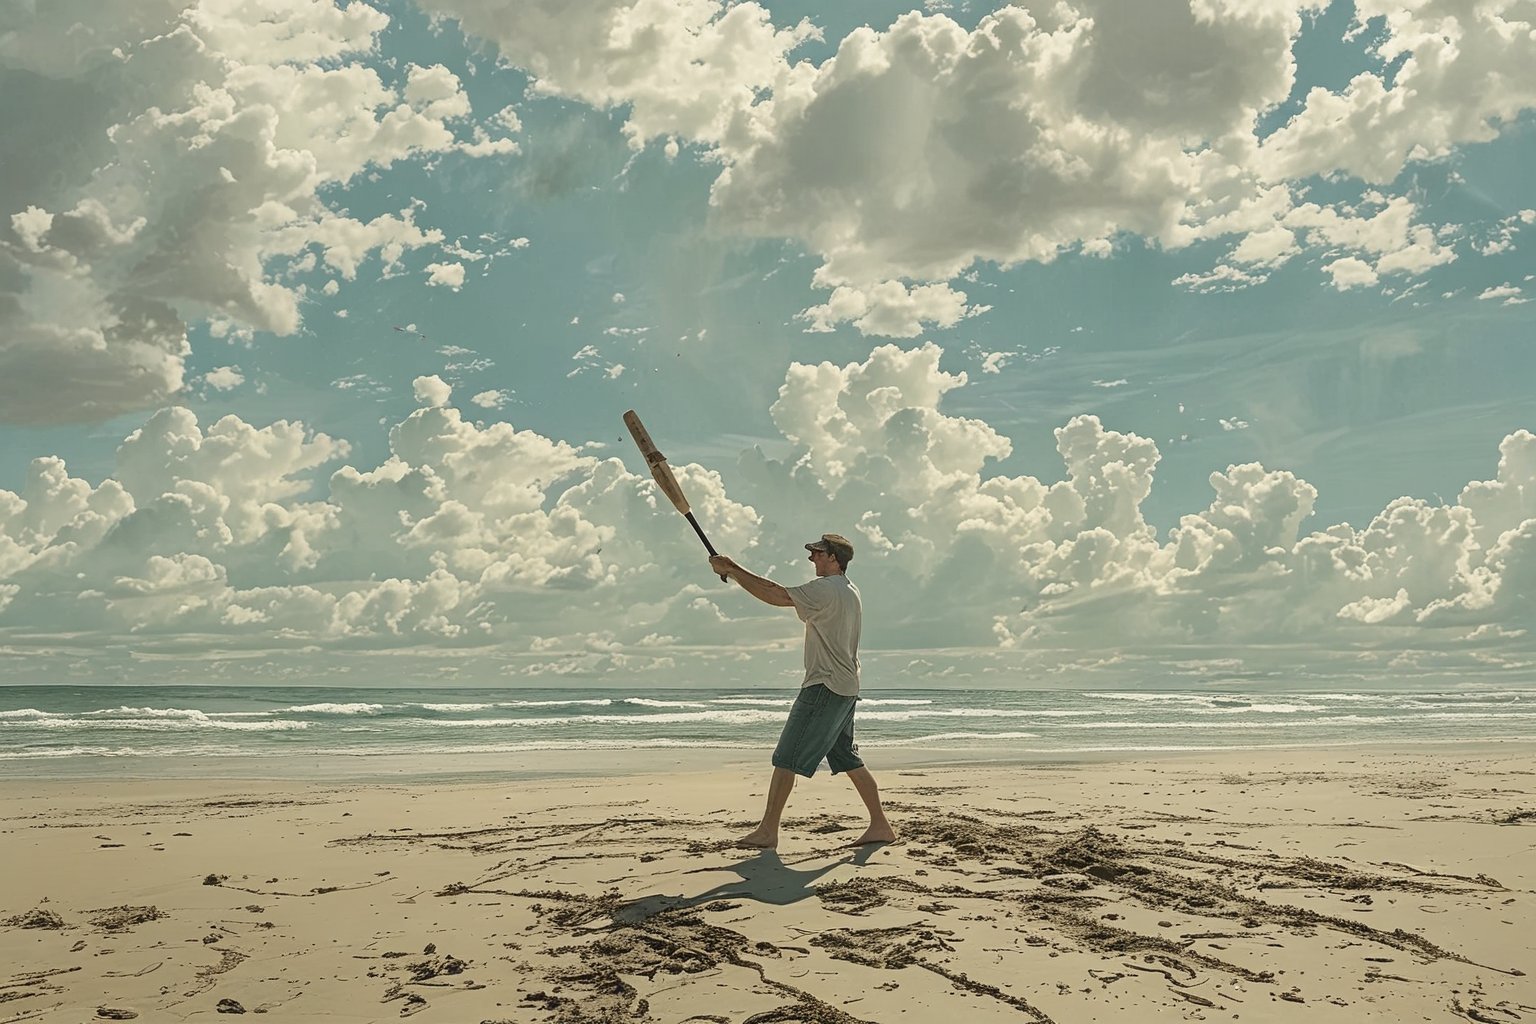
993, 362
909, 155
1221, 278
518, 546
1072, 566
1508, 294
1050, 571
1079, 557
1011, 142
432, 390
918, 150
1351, 272
224, 378
450, 275
167, 165
676, 67
1461, 73
891, 309
490, 399
463, 536
1267, 248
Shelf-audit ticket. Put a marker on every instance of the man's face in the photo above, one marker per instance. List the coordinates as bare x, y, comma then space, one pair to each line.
825, 564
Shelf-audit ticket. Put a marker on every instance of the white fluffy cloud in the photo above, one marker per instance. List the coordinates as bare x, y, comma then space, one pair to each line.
1055, 571
431, 391
224, 378
686, 68
1509, 294
169, 158
1463, 70
1351, 272
166, 162
891, 309
450, 275
518, 547
490, 399
918, 150
921, 149
463, 536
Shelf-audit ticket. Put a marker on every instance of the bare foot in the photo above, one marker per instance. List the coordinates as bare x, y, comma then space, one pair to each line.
875, 835
758, 840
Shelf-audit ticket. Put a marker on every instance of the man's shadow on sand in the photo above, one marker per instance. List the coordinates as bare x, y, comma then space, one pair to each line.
764, 878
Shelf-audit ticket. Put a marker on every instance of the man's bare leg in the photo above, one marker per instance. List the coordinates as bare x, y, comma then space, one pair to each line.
879, 830
766, 835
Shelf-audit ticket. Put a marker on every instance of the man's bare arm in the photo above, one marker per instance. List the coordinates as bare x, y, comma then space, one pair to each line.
765, 590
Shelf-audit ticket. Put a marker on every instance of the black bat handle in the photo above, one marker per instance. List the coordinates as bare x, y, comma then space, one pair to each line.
707, 545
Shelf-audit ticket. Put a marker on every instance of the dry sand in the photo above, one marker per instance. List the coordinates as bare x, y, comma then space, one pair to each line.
1305, 885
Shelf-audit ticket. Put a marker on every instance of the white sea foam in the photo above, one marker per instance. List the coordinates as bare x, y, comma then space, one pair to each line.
408, 722
769, 702
1183, 725
945, 737
1132, 748
1443, 705
1259, 709
1431, 716
741, 716
647, 702
782, 702
1147, 748
332, 709
908, 716
128, 712
1042, 713
600, 702
196, 720
1354, 698
444, 750
53, 752
737, 716
1159, 696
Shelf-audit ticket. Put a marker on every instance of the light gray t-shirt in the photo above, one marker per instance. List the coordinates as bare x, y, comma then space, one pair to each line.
833, 612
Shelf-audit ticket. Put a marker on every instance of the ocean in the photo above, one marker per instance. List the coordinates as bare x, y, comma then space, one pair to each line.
68, 731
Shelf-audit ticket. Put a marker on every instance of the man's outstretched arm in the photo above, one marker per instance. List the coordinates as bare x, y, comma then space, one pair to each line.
765, 590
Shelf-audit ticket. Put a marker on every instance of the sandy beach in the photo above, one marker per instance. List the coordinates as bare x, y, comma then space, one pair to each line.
1333, 885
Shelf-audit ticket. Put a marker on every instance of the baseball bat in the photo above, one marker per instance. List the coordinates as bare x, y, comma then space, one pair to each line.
664, 476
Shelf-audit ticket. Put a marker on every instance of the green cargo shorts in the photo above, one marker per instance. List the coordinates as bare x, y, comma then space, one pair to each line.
820, 726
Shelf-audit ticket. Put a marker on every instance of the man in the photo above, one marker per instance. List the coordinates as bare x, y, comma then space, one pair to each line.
821, 722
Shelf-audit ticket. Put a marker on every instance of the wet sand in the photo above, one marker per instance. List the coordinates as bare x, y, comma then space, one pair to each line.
1303, 885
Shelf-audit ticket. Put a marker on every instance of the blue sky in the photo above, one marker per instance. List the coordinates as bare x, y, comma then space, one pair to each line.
993, 291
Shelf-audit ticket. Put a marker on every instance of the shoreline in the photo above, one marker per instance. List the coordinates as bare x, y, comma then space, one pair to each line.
633, 762
445, 734
1295, 886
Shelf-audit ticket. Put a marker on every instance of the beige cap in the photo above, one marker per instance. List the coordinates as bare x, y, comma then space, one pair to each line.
834, 544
